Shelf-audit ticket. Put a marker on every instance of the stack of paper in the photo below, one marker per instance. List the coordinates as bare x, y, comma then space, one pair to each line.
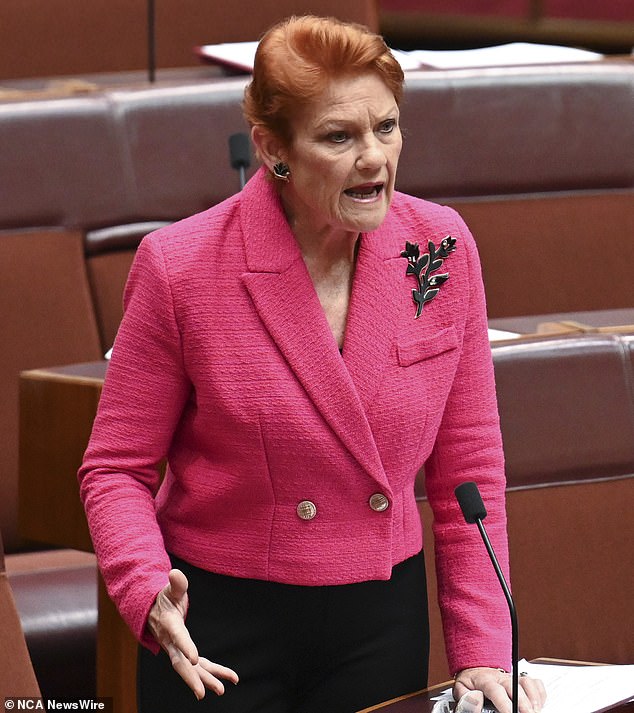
578, 689
509, 55
240, 56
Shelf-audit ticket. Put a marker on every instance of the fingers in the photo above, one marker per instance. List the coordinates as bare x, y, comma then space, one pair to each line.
460, 689
535, 691
498, 688
502, 694
166, 622
531, 694
211, 673
202, 676
471, 702
205, 675
178, 585
180, 638
167, 617
216, 669
186, 670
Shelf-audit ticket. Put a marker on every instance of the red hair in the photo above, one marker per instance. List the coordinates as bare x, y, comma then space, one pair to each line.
297, 58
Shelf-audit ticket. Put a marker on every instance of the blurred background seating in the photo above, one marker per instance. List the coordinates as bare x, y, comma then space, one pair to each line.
537, 159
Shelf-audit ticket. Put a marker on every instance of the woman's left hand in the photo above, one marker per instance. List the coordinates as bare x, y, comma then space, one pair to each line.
498, 688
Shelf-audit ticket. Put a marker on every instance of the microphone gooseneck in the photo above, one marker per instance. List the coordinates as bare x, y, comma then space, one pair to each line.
240, 155
473, 510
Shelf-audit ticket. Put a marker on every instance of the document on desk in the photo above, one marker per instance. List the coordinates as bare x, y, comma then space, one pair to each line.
239, 56
579, 689
500, 335
582, 689
512, 54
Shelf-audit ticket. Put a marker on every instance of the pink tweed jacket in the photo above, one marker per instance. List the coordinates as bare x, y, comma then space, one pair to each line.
225, 365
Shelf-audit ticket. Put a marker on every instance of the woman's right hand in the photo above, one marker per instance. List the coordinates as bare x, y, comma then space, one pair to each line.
166, 622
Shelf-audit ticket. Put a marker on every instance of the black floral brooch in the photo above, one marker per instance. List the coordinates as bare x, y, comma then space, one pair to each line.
421, 266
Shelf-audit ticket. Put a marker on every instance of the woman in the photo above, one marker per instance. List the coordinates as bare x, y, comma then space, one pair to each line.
272, 352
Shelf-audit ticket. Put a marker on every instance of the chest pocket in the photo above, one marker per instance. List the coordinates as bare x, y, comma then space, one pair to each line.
431, 346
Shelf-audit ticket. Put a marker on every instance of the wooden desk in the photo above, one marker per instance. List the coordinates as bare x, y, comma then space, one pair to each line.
420, 702
58, 406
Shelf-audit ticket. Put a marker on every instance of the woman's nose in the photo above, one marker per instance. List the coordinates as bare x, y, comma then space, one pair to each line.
371, 155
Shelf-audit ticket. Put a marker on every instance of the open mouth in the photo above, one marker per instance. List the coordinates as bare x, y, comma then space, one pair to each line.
366, 192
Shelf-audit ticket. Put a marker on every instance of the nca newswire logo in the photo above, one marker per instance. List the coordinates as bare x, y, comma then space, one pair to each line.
104, 705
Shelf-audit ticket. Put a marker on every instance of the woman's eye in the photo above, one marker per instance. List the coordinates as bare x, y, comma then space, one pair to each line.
387, 127
337, 137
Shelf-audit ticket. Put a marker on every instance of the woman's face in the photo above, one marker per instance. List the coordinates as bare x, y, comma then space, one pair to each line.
343, 157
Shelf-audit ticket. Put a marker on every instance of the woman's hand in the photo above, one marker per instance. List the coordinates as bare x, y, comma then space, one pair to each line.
166, 622
497, 687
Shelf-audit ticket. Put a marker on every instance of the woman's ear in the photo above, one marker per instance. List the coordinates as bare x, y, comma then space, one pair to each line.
269, 148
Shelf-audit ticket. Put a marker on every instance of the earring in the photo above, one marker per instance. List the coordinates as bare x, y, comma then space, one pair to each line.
281, 171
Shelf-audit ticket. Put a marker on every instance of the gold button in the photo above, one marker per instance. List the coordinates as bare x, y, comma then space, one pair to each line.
379, 502
306, 510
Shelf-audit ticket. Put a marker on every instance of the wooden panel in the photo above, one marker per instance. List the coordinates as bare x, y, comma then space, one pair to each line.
116, 656
56, 415
57, 409
569, 549
16, 671
68, 37
46, 317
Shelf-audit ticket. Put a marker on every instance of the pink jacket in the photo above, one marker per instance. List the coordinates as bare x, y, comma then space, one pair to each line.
225, 364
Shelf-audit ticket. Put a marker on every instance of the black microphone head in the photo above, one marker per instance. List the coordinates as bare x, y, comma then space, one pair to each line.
239, 151
470, 502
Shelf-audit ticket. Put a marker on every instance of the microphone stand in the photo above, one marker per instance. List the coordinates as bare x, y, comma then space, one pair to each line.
239, 155
473, 509
151, 41
512, 610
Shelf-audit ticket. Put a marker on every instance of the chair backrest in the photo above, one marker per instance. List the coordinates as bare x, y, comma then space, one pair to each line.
16, 671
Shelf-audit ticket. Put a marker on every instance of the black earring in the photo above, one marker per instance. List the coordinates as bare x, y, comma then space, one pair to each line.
281, 171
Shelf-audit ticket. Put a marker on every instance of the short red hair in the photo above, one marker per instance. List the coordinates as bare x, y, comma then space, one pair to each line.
297, 58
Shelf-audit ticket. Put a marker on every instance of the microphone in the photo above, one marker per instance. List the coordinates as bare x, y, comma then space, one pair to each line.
151, 40
473, 509
240, 155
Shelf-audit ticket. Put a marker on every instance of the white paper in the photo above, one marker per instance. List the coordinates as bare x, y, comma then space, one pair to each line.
582, 689
577, 689
508, 55
241, 55
497, 335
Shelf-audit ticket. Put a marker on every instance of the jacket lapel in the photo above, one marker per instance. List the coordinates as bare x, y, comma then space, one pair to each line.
375, 308
285, 299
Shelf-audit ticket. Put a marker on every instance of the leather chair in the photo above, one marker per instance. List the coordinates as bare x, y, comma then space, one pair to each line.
567, 417
16, 671
55, 593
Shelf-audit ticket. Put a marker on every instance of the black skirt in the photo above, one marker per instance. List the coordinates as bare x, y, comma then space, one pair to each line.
334, 649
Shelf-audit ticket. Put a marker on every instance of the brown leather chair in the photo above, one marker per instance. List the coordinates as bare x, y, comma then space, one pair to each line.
16, 671
567, 417
55, 593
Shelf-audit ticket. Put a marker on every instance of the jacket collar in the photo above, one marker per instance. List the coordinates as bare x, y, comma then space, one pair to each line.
288, 305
